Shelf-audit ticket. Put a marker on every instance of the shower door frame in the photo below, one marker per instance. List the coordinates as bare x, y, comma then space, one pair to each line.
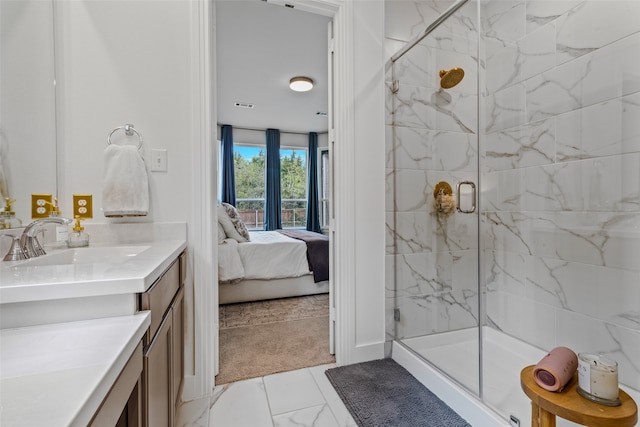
480, 295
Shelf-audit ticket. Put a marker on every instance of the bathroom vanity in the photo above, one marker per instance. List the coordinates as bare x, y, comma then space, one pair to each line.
94, 336
60, 374
164, 345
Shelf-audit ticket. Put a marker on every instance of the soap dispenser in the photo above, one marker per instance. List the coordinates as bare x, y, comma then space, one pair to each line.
78, 238
8, 217
62, 232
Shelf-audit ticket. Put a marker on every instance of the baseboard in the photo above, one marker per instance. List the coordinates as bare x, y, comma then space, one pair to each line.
365, 353
190, 391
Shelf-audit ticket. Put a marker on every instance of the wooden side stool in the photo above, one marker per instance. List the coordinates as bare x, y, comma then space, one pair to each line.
568, 404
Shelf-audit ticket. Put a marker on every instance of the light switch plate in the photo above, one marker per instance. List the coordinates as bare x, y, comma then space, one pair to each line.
40, 205
83, 206
159, 160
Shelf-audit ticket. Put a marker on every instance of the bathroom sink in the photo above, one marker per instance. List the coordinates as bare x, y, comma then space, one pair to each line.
88, 255
93, 271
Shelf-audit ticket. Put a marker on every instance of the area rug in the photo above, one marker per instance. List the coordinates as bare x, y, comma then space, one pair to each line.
383, 393
271, 311
258, 339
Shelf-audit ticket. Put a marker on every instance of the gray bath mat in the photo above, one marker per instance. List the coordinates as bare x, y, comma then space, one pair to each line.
382, 393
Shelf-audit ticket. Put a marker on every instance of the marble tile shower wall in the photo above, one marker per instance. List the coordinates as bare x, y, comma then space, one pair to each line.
431, 259
560, 175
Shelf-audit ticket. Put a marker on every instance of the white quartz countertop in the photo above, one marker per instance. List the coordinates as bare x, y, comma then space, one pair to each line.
59, 374
107, 270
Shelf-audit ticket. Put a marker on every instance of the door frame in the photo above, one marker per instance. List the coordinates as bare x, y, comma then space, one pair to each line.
203, 320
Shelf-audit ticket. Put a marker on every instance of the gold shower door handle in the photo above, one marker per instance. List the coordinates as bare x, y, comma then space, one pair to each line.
473, 196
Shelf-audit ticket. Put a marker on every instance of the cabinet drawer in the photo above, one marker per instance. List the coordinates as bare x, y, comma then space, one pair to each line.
158, 298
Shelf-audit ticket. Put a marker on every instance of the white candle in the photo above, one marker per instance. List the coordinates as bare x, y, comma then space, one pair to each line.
604, 379
598, 376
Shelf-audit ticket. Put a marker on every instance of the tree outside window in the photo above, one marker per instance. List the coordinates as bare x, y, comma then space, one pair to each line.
249, 163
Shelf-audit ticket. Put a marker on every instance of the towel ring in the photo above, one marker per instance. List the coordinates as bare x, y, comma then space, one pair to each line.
129, 130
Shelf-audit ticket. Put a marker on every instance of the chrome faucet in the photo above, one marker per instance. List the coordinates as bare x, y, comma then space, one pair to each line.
29, 241
15, 252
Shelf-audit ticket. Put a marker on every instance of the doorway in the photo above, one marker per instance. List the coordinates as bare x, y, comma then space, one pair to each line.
249, 113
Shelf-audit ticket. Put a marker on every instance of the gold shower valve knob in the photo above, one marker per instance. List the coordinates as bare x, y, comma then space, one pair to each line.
82, 206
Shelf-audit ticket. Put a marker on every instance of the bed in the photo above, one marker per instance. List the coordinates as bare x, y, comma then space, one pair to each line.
260, 265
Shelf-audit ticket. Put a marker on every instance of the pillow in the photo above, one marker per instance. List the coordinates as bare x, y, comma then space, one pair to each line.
238, 224
233, 226
221, 234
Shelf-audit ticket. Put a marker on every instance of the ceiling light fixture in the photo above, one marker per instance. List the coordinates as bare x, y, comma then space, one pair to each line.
301, 84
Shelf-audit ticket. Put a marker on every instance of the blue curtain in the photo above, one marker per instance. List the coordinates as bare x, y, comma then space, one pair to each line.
313, 204
228, 172
272, 208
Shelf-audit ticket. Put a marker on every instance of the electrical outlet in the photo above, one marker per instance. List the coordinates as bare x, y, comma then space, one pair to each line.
83, 206
41, 205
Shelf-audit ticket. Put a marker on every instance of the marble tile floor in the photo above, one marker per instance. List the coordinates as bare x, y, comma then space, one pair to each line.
302, 398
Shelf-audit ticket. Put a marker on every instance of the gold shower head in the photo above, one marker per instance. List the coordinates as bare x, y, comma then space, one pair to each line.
449, 79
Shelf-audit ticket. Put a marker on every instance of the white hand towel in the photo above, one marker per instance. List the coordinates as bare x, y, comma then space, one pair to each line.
125, 188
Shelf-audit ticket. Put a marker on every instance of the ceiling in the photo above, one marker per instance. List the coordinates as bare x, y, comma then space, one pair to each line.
260, 46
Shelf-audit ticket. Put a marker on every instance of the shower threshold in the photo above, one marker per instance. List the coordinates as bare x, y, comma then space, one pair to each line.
456, 353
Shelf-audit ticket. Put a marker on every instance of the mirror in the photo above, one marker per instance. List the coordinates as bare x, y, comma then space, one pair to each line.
27, 103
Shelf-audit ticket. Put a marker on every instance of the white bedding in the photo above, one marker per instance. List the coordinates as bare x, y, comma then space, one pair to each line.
269, 255
230, 266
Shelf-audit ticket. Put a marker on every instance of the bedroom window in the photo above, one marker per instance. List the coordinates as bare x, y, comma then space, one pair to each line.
249, 164
293, 183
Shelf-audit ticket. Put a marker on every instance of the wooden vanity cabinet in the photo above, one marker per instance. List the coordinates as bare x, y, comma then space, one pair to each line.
164, 346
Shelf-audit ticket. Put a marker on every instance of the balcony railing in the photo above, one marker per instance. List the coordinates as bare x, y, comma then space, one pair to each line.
293, 212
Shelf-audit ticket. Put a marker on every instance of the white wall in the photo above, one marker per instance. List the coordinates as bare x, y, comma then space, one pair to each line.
358, 156
129, 62
125, 62
369, 172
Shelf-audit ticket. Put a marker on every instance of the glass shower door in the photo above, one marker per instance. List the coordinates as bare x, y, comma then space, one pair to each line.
433, 219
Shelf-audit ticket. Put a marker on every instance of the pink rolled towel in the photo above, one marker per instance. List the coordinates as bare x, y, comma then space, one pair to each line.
556, 369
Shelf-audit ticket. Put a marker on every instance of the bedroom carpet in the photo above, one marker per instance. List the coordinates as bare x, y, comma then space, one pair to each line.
275, 310
267, 337
383, 393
